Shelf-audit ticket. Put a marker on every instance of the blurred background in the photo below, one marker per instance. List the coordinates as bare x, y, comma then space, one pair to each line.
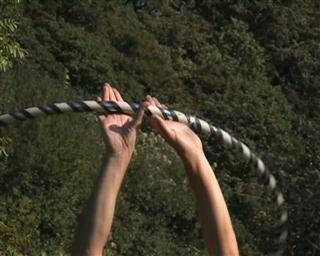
249, 67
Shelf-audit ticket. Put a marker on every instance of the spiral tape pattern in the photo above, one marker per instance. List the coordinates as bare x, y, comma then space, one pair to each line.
198, 125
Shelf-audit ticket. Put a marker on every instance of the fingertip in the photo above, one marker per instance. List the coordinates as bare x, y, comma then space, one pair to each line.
117, 94
102, 117
148, 98
106, 92
152, 101
156, 101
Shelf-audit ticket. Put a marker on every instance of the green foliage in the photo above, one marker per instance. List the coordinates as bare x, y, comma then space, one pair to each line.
158, 223
10, 49
43, 206
4, 142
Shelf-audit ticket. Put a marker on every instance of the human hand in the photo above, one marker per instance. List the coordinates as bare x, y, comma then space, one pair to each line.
187, 144
119, 131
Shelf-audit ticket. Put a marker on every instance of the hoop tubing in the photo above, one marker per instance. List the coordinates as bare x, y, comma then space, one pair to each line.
198, 125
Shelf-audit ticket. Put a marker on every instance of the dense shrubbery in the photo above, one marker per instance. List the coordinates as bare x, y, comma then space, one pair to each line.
249, 67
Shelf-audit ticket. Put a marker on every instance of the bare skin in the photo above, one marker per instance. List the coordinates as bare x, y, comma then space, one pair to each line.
120, 134
217, 228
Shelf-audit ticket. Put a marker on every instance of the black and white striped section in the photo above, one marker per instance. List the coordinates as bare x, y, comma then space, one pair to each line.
64, 107
198, 125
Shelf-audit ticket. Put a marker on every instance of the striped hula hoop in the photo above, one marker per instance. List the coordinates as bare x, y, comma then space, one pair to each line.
198, 125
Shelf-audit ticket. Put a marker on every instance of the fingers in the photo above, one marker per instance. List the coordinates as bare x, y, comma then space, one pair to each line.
111, 94
117, 95
102, 118
105, 92
150, 100
160, 124
153, 106
108, 93
158, 104
153, 101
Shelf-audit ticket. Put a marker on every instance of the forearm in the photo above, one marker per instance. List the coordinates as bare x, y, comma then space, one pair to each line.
96, 220
216, 223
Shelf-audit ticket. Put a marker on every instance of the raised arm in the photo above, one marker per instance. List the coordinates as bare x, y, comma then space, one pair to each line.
95, 223
217, 228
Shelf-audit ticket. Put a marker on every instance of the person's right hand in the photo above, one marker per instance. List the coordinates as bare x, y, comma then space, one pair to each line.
217, 227
178, 135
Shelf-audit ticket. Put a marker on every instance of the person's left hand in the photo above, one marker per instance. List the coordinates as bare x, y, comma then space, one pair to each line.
120, 131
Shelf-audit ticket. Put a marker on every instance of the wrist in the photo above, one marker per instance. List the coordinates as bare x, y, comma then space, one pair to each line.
120, 155
190, 153
193, 161
120, 161
192, 156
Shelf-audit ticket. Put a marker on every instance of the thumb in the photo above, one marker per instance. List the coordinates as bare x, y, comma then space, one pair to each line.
160, 124
137, 120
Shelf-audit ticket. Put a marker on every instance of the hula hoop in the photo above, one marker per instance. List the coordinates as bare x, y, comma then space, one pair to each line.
198, 125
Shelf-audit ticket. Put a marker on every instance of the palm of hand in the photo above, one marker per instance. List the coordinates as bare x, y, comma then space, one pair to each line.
119, 130
181, 137
178, 135
119, 136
